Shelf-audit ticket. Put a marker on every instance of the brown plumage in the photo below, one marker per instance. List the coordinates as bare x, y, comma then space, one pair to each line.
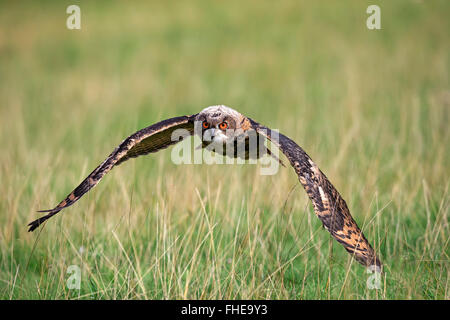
150, 139
327, 202
227, 126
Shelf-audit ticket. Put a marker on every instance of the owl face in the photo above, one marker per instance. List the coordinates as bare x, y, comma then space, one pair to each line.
219, 124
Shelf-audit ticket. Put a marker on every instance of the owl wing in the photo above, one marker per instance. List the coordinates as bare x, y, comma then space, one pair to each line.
327, 202
151, 139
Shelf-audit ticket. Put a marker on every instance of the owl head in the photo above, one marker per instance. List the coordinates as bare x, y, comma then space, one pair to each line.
220, 124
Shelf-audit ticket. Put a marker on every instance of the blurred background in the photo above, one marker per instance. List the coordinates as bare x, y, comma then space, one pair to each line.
371, 107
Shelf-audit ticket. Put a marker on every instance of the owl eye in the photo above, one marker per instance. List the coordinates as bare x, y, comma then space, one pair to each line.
205, 125
223, 126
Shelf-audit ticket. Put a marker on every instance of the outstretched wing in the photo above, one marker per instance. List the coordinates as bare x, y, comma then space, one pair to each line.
147, 140
328, 203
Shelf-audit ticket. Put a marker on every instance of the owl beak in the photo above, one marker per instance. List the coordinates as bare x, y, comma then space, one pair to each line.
214, 135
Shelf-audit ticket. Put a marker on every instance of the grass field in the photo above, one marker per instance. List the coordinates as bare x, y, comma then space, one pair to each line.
371, 107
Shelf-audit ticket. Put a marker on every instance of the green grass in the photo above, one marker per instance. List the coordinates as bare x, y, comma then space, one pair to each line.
370, 107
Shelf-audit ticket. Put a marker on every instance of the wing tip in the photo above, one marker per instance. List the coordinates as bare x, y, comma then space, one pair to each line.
371, 261
36, 223
33, 225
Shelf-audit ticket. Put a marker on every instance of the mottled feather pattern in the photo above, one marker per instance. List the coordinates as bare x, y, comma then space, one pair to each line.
155, 139
328, 204
133, 146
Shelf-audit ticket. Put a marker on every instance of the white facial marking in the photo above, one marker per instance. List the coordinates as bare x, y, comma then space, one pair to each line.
219, 137
215, 135
209, 134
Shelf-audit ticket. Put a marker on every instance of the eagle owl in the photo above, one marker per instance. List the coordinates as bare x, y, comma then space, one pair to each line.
222, 129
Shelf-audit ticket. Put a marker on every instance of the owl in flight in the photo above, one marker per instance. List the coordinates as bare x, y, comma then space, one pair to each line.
223, 129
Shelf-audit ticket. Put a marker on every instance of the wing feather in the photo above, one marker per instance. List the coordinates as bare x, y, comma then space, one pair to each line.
147, 140
328, 204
